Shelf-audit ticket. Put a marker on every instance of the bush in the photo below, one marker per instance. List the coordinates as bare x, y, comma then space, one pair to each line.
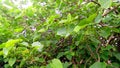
59, 34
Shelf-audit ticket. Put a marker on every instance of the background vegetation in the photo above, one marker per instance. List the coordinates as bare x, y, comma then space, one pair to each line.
59, 34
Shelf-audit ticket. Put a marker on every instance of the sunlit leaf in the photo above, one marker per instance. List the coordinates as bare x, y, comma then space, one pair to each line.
5, 51
12, 42
37, 45
56, 63
98, 65
77, 28
69, 17
12, 61
63, 32
25, 43
105, 3
98, 18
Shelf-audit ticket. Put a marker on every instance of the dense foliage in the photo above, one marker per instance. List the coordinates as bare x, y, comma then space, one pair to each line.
59, 34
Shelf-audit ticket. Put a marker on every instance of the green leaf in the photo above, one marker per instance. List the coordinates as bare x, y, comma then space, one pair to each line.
95, 41
69, 57
56, 63
25, 43
18, 29
63, 21
6, 51
98, 18
105, 3
41, 60
85, 22
63, 32
80, 1
117, 56
37, 45
98, 65
105, 32
66, 65
1, 53
12, 61
91, 18
42, 30
90, 4
104, 55
77, 28
60, 54
22, 63
117, 65
58, 2
69, 18
12, 42
108, 47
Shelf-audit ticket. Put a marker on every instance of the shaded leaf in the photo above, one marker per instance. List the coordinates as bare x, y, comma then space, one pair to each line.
117, 56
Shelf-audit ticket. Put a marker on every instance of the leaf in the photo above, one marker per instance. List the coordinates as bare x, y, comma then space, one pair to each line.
41, 60
85, 22
105, 3
98, 65
22, 63
63, 21
107, 47
90, 4
5, 51
12, 61
77, 28
104, 55
37, 45
117, 56
18, 29
98, 18
56, 63
95, 41
60, 54
42, 30
91, 18
105, 32
117, 65
69, 18
63, 32
25, 43
69, 57
66, 65
1, 53
58, 2
12, 42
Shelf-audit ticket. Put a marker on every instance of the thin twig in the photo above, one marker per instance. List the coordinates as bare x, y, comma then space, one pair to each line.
96, 2
109, 39
91, 53
97, 52
87, 61
113, 9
